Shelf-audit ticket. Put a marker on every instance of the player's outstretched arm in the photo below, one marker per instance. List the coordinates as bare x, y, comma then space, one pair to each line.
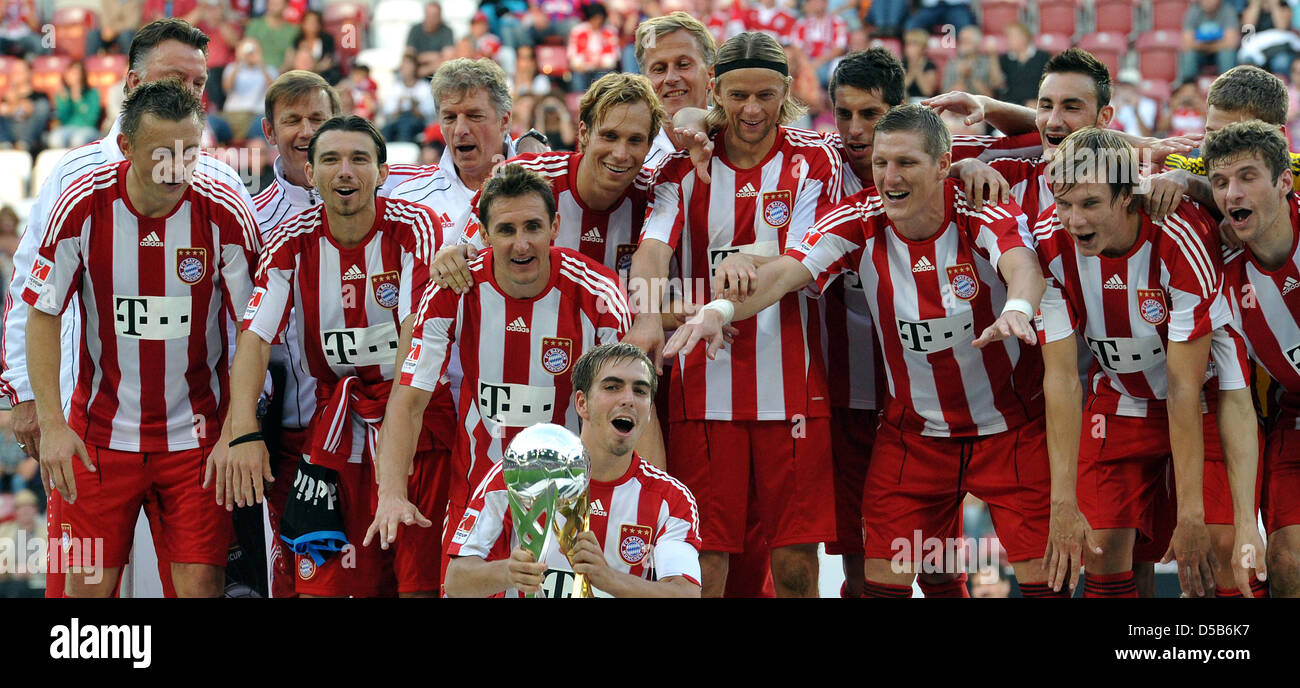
647, 280
1025, 286
1069, 536
982, 183
475, 577
1008, 118
1239, 433
239, 471
1185, 369
60, 442
589, 560
774, 279
403, 418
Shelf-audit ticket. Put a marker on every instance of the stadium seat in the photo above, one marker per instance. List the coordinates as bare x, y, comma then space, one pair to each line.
996, 15
1167, 15
6, 65
1113, 16
17, 166
1052, 43
893, 45
103, 72
1158, 54
552, 60
71, 24
347, 23
1057, 17
1108, 47
403, 153
1156, 89
995, 43
47, 73
940, 52
12, 189
45, 163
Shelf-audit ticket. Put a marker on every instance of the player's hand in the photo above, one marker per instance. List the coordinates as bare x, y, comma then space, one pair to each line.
26, 429
706, 326
983, 184
589, 561
450, 267
1174, 145
1248, 552
530, 145
1164, 193
1009, 324
1190, 546
958, 103
61, 444
524, 573
735, 277
700, 147
249, 464
647, 334
1068, 537
216, 469
391, 512
1226, 233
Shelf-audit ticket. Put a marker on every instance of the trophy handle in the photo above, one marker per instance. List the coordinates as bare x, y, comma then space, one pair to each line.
580, 582
533, 537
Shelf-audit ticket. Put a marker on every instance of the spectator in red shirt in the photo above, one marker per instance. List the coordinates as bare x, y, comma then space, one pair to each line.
593, 47
823, 37
485, 43
162, 9
771, 19
20, 28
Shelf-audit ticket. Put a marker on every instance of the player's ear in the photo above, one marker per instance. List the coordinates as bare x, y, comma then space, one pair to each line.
124, 144
1104, 116
580, 404
555, 226
1286, 181
383, 176
583, 134
268, 131
945, 164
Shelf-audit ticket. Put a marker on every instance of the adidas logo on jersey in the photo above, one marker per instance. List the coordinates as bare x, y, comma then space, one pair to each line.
746, 191
593, 235
923, 265
598, 509
354, 272
1290, 285
151, 240
1115, 283
518, 326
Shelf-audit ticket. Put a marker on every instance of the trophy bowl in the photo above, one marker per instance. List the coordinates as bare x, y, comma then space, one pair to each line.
542, 456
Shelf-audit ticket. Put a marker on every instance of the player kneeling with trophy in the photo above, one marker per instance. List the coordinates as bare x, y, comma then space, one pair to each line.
567, 517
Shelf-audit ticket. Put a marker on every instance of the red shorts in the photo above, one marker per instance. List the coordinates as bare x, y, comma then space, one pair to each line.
191, 527
915, 487
1281, 501
412, 565
853, 432
792, 479
1126, 478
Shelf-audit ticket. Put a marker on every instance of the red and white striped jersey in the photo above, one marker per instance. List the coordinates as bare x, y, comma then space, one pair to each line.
593, 49
517, 354
964, 146
609, 237
348, 303
724, 25
773, 370
156, 294
660, 149
1166, 288
930, 300
275, 204
1028, 182
647, 524
1266, 308
776, 21
819, 36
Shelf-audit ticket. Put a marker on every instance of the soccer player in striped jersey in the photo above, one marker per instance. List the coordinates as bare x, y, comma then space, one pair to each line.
767, 181
952, 291
533, 310
1250, 173
157, 253
644, 537
1146, 294
350, 274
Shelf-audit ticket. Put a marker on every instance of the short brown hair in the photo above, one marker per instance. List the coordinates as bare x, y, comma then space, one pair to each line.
514, 181
350, 123
295, 85
1257, 137
922, 120
155, 33
1249, 88
590, 363
167, 100
671, 23
619, 88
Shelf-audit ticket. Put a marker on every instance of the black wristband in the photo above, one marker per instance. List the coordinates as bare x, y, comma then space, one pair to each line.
250, 437
534, 134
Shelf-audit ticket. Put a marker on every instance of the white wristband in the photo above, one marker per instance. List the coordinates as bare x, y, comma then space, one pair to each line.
1021, 306
724, 308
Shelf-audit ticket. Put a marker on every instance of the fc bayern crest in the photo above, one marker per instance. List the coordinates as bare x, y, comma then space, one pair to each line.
965, 283
306, 568
557, 353
1151, 305
384, 286
191, 264
623, 258
776, 208
634, 543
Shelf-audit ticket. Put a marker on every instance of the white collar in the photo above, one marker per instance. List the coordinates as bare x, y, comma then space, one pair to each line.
298, 196
448, 167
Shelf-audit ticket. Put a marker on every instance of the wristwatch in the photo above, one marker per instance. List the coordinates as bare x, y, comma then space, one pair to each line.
534, 134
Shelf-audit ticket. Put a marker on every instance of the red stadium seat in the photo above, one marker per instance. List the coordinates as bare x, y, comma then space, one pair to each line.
47, 73
347, 22
995, 43
552, 60
1057, 17
1110, 48
997, 15
103, 72
1167, 15
893, 45
1158, 54
1156, 90
939, 52
7, 64
1114, 16
71, 24
1052, 43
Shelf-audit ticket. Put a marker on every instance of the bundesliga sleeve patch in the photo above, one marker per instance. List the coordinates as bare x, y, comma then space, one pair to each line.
412, 358
466, 527
809, 241
254, 303
36, 283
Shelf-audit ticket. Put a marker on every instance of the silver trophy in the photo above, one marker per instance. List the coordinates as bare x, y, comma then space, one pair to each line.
547, 473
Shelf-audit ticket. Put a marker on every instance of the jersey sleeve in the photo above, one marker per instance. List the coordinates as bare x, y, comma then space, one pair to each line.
834, 245
55, 276
239, 243
1192, 277
677, 542
1015, 170
996, 229
608, 305
1195, 165
486, 528
433, 334
267, 313
822, 189
668, 216
1057, 318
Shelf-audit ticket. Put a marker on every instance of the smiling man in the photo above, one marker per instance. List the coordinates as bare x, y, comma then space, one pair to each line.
644, 536
533, 309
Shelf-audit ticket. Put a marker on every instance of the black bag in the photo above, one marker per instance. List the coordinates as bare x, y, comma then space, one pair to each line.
313, 518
